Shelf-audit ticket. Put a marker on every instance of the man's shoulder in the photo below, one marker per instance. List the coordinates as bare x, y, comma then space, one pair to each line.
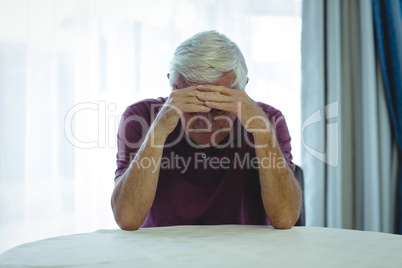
148, 102
269, 110
145, 106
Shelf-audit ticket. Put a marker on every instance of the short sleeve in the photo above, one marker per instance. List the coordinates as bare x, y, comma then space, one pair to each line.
278, 121
133, 127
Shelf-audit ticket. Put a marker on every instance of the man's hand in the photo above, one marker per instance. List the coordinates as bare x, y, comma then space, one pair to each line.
180, 101
236, 101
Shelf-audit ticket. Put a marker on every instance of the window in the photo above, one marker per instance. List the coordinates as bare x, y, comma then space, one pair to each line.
68, 70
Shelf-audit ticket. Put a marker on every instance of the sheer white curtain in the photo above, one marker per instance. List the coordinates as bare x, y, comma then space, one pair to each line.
68, 69
347, 139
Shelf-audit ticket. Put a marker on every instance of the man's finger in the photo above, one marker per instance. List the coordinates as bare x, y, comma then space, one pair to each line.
214, 97
194, 101
190, 100
192, 108
187, 91
225, 106
221, 89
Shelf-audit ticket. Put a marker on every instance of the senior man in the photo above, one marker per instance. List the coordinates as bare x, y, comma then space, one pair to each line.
208, 153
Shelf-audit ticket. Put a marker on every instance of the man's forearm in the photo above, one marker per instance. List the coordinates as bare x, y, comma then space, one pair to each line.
134, 191
281, 194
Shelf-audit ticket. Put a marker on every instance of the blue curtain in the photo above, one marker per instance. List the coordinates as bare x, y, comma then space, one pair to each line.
388, 27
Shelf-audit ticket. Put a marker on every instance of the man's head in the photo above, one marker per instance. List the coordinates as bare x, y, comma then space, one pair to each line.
204, 58
208, 58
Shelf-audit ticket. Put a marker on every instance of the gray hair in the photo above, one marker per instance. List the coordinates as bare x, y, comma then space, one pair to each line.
204, 58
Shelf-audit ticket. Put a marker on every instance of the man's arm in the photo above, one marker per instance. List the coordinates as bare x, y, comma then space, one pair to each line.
135, 190
280, 192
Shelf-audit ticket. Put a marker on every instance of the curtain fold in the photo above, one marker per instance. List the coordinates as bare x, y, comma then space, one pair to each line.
356, 183
313, 118
388, 25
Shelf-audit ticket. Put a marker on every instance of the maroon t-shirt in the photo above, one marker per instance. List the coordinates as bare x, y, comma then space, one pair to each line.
201, 185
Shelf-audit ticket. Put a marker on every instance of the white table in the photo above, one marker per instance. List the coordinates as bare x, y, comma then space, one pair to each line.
216, 246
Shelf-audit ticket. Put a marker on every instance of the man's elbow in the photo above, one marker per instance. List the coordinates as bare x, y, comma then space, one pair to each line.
283, 224
126, 221
127, 224
285, 221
